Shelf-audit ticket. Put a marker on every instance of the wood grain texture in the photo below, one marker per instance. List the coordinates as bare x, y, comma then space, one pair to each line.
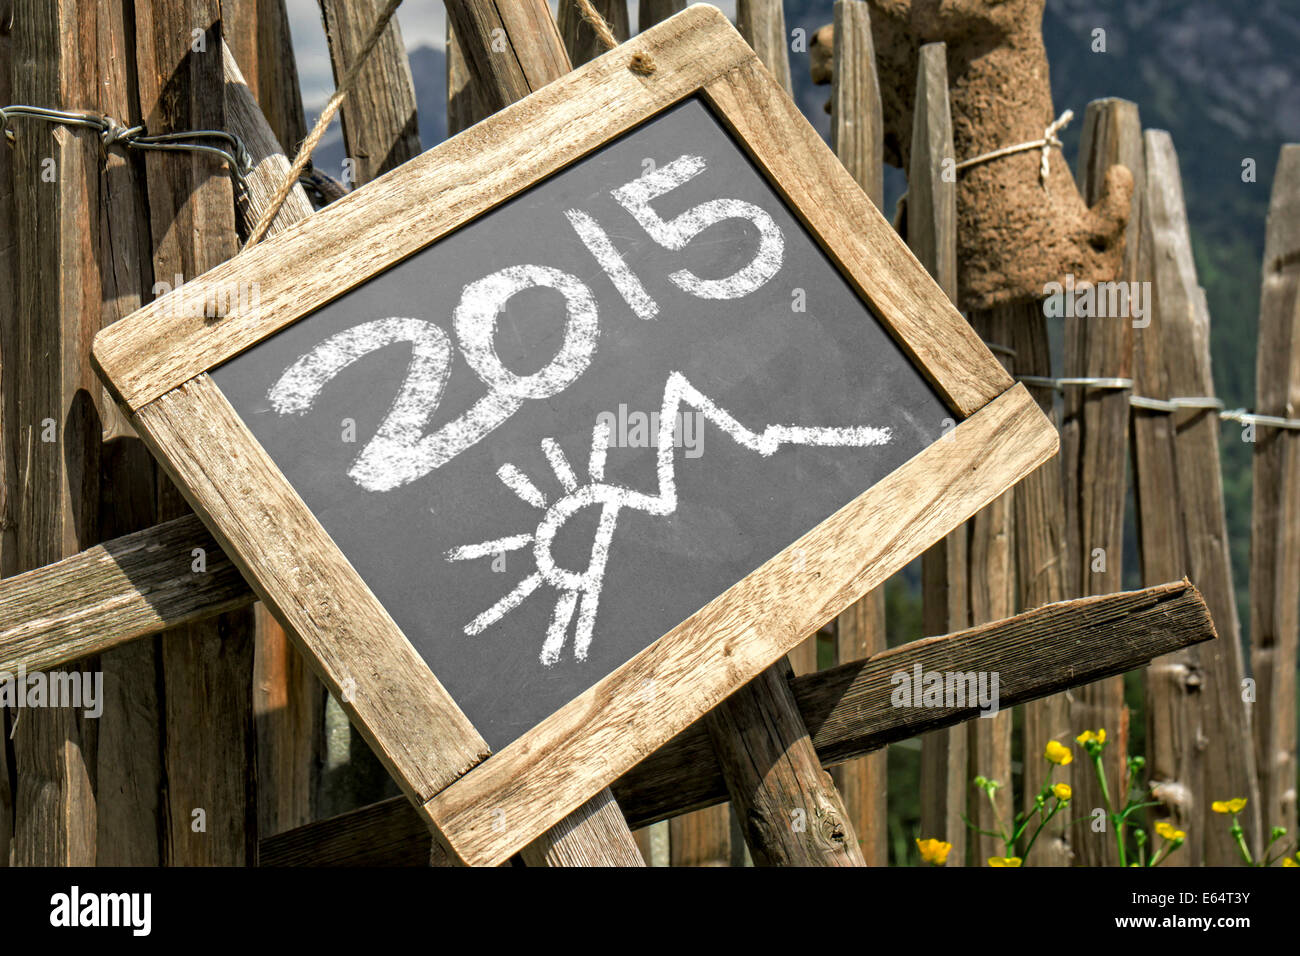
369, 230
788, 807
8, 446
593, 835
1200, 734
567, 757
514, 42
1094, 451
931, 227
863, 783
463, 109
1275, 524
54, 426
357, 650
114, 593
650, 12
762, 24
1039, 513
258, 34
380, 128
857, 123
208, 742
847, 708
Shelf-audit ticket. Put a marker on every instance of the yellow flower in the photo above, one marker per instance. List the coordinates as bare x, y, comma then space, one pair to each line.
1087, 735
1004, 861
933, 851
1287, 861
1169, 831
1058, 753
1234, 805
1062, 791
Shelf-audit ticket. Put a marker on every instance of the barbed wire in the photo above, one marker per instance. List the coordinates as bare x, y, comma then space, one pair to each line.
112, 133
1167, 405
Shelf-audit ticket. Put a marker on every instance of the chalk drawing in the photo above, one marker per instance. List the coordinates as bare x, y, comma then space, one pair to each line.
580, 590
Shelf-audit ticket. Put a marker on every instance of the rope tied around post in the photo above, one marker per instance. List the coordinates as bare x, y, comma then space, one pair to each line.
1048, 140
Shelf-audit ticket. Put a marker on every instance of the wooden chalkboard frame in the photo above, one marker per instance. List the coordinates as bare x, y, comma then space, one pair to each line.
486, 807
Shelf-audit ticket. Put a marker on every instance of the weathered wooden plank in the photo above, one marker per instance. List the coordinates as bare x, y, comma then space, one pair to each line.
857, 123
1040, 565
207, 669
1200, 738
8, 445
650, 12
1094, 441
1275, 525
516, 44
55, 426
788, 807
258, 34
931, 232
876, 534
380, 128
463, 110
847, 708
762, 24
991, 578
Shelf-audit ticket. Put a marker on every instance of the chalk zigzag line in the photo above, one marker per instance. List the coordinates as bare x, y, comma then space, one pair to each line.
678, 392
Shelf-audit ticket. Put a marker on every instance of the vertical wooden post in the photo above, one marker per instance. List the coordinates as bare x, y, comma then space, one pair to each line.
130, 778
55, 425
991, 578
1200, 738
857, 138
650, 12
380, 126
762, 24
579, 36
1094, 447
8, 471
208, 668
463, 109
257, 32
789, 809
1040, 566
932, 236
1275, 525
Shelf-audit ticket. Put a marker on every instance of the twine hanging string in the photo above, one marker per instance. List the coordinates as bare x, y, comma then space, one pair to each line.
322, 124
1048, 140
598, 23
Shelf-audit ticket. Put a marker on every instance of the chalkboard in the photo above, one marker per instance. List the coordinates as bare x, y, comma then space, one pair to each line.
547, 438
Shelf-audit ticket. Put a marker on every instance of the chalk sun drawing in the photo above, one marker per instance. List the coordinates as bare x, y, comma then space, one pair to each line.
580, 590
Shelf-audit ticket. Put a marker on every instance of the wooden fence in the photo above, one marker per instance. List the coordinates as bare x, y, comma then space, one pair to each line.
215, 743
